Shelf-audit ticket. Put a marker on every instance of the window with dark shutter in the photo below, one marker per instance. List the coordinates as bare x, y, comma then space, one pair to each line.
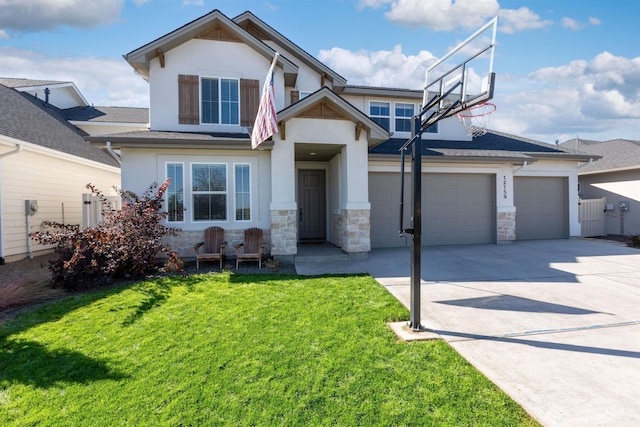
249, 101
188, 100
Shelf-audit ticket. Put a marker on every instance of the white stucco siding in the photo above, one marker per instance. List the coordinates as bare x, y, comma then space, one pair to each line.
307, 80
204, 58
56, 183
143, 167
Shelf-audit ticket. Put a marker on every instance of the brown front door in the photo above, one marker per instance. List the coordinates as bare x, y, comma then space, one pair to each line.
311, 204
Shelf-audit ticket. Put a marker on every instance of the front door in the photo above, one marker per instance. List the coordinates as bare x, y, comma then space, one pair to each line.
311, 204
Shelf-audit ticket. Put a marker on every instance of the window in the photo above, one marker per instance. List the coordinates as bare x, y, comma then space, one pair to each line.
404, 113
175, 192
243, 192
379, 113
304, 94
220, 101
209, 191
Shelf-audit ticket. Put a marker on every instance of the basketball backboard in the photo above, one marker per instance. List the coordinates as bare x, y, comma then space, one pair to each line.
462, 78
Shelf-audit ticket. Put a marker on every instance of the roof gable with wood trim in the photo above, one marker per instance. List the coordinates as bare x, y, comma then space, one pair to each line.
212, 26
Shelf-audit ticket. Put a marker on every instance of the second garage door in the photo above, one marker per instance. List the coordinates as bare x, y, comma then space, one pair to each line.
541, 208
457, 209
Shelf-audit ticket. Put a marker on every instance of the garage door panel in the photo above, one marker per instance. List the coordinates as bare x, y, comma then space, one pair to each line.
456, 209
541, 208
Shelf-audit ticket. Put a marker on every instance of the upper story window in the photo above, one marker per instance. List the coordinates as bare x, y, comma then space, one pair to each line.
220, 101
380, 113
404, 113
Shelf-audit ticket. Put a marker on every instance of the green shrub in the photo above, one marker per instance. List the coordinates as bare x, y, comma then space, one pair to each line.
126, 244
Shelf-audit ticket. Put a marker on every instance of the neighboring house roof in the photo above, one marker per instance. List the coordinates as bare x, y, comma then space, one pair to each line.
149, 138
108, 114
494, 145
14, 82
35, 86
617, 154
259, 29
214, 21
25, 118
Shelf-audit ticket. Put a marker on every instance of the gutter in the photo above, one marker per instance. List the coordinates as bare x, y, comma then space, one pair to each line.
113, 153
2, 156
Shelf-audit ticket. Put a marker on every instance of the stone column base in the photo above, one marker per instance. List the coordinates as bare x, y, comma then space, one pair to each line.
506, 227
283, 232
354, 235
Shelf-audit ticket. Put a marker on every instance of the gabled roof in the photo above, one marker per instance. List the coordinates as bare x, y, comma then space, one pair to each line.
25, 85
259, 29
212, 22
494, 146
107, 114
617, 154
25, 118
332, 101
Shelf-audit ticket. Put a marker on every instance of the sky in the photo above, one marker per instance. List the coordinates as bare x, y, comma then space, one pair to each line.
564, 69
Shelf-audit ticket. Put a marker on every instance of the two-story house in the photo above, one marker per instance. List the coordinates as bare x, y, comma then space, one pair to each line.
332, 172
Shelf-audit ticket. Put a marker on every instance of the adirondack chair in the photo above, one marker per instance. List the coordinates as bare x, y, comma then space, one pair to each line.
214, 245
252, 247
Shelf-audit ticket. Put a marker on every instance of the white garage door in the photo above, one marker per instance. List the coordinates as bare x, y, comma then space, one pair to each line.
457, 209
541, 208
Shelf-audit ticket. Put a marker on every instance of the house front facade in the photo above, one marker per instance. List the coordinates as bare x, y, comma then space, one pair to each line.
332, 172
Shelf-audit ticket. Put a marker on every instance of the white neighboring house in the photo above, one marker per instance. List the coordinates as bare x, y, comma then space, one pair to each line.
332, 172
45, 159
616, 177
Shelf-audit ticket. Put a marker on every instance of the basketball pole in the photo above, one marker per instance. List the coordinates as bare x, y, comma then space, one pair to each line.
416, 232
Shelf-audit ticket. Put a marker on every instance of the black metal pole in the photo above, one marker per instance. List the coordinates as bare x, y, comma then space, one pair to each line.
416, 199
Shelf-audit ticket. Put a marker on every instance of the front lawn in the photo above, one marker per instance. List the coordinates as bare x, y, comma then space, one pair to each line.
231, 349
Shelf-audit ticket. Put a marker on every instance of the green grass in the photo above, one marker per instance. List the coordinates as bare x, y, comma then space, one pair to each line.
236, 350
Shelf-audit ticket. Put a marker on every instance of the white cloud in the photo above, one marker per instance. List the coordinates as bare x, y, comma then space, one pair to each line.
571, 24
3, 35
514, 20
42, 15
447, 15
102, 81
379, 68
596, 97
192, 3
594, 21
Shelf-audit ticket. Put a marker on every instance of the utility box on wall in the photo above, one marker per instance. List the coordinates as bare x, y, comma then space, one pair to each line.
30, 207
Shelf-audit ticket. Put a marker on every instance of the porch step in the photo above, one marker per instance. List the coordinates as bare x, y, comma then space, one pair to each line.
322, 258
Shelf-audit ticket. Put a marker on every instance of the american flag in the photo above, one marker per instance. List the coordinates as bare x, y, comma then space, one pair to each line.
266, 123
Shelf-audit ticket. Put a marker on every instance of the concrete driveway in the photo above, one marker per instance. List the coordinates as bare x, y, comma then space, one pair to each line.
555, 324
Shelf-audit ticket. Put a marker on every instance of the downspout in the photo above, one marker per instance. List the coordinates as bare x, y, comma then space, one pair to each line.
2, 156
113, 153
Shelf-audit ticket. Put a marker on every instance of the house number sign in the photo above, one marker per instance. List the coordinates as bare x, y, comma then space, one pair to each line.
504, 186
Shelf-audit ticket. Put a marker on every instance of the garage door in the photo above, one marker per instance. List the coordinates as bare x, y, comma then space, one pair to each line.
541, 208
457, 209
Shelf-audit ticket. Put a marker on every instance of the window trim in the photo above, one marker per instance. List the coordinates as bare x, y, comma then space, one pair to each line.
235, 193
373, 117
192, 193
184, 201
219, 80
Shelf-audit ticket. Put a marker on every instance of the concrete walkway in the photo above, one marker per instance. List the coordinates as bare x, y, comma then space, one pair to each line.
555, 324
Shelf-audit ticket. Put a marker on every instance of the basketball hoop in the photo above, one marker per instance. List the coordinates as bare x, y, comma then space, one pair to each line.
476, 118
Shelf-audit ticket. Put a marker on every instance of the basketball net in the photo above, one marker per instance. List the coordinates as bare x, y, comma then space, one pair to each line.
475, 119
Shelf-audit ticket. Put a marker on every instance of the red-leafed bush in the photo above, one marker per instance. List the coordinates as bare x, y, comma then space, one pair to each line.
126, 244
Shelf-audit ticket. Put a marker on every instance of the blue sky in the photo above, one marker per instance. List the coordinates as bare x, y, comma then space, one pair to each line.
564, 68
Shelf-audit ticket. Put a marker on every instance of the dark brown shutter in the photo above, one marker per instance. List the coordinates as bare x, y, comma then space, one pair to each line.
188, 100
249, 101
295, 96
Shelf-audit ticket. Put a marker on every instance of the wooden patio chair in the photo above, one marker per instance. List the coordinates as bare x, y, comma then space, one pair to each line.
214, 245
252, 247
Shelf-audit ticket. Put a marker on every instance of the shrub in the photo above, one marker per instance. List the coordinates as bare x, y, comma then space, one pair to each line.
126, 244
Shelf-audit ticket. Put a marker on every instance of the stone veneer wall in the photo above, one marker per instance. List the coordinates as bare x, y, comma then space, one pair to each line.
184, 242
283, 232
355, 233
506, 226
